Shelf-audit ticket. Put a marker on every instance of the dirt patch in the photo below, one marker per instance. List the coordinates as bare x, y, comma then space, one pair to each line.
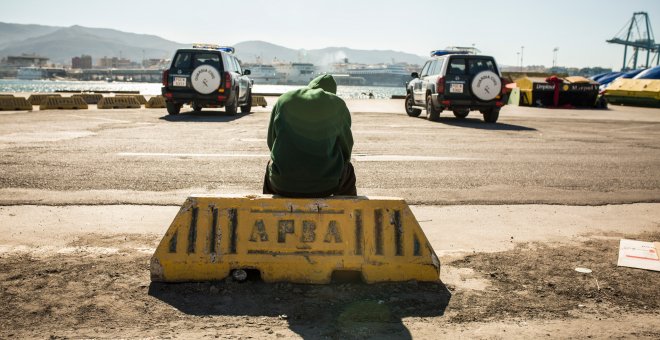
50, 295
93, 295
539, 281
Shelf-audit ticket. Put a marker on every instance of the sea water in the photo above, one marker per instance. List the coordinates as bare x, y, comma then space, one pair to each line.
46, 86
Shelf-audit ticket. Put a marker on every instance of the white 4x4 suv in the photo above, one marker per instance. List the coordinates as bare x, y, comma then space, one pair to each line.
207, 76
456, 81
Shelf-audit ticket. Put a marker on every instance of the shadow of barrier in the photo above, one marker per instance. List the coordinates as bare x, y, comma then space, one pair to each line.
336, 311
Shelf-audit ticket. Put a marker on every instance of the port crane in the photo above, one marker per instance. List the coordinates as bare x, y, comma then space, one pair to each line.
638, 34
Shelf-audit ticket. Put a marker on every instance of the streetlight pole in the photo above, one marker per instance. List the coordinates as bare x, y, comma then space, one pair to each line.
554, 57
522, 50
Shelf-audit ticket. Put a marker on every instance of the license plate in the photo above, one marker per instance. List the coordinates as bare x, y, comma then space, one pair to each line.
179, 81
456, 88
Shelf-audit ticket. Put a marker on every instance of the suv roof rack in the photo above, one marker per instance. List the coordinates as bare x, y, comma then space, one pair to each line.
438, 53
227, 49
455, 50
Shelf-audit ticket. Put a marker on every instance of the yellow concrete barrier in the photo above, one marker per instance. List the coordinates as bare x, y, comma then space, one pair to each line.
259, 101
140, 98
157, 102
639, 92
14, 104
294, 240
63, 103
89, 98
118, 103
37, 99
514, 97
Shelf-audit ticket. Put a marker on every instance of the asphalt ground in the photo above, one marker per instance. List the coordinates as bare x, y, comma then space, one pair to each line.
144, 156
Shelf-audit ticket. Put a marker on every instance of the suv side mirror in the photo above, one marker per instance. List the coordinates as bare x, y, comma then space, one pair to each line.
414, 75
246, 72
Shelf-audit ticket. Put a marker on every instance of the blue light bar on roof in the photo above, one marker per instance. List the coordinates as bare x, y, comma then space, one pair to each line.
227, 49
438, 53
205, 46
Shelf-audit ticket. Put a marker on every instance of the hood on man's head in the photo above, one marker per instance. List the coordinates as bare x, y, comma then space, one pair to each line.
325, 82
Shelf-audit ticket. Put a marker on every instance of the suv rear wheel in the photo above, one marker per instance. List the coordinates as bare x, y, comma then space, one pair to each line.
232, 108
461, 113
248, 106
491, 115
412, 112
173, 108
432, 112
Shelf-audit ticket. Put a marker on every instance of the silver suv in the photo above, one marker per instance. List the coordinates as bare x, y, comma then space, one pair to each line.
456, 81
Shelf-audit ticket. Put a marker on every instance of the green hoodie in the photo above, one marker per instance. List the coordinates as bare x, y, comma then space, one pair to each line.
309, 137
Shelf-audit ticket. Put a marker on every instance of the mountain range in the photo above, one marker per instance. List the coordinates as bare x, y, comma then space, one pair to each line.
60, 44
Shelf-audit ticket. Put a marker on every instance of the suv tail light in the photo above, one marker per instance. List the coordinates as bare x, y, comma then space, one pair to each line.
227, 80
166, 74
505, 89
440, 85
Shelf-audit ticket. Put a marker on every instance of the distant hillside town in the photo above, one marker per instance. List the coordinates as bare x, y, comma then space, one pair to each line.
84, 67
92, 54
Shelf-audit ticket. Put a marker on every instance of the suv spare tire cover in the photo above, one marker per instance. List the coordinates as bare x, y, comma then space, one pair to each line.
486, 85
205, 79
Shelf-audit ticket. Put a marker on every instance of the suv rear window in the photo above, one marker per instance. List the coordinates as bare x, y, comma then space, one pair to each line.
470, 65
456, 66
188, 60
477, 65
206, 58
182, 60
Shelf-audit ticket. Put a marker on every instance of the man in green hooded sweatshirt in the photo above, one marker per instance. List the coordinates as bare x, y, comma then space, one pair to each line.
310, 142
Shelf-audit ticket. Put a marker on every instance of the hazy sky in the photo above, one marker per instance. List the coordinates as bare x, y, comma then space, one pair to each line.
498, 27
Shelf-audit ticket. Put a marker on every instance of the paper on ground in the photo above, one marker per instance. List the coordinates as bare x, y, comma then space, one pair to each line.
638, 254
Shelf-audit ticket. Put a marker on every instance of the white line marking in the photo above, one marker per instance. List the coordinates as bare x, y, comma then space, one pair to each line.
356, 157
49, 136
99, 118
633, 128
201, 155
407, 158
